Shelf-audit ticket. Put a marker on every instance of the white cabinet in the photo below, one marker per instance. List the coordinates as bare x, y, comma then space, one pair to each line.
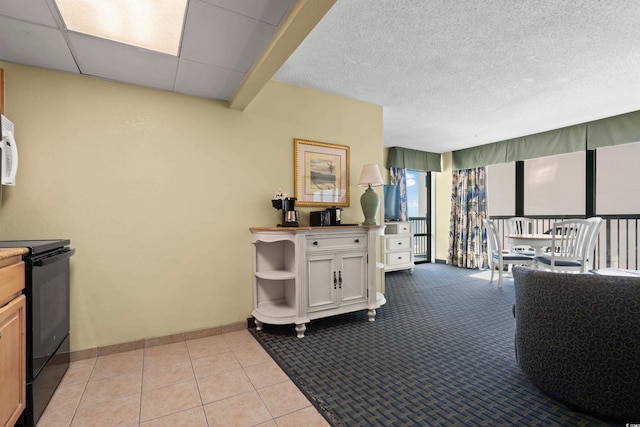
305, 273
336, 271
398, 246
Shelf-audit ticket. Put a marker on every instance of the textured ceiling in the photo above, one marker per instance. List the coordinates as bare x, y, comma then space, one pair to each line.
454, 74
449, 74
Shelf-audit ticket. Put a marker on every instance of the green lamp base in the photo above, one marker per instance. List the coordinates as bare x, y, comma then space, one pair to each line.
370, 202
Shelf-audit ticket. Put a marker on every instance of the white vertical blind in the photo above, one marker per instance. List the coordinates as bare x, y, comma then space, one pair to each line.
617, 184
501, 189
555, 185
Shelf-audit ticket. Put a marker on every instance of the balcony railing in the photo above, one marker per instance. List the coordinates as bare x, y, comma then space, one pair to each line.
421, 238
616, 245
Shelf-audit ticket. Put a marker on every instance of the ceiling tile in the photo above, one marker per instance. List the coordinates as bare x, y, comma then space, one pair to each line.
36, 11
39, 46
269, 11
206, 80
121, 62
222, 38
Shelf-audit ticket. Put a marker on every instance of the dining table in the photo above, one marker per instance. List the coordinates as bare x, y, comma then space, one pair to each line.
536, 241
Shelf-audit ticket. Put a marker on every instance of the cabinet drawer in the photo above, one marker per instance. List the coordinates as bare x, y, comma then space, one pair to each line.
399, 243
354, 241
398, 228
11, 281
395, 258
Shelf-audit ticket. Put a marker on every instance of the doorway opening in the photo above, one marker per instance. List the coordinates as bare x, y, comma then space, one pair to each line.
419, 186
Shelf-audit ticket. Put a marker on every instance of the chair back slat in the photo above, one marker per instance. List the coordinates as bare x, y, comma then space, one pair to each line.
570, 238
596, 222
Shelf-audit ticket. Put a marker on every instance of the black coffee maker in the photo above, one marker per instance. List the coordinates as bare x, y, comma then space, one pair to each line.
289, 213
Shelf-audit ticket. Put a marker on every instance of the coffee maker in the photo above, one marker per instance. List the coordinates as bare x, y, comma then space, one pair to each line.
289, 214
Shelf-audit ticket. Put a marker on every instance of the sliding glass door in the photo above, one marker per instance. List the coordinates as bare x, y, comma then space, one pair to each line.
419, 213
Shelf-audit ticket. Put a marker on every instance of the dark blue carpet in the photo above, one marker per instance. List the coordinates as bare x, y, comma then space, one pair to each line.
440, 353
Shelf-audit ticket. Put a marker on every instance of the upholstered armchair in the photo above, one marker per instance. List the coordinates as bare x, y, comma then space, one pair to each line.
578, 339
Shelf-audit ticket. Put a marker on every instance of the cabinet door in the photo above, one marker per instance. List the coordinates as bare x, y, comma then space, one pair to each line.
352, 277
322, 278
12, 361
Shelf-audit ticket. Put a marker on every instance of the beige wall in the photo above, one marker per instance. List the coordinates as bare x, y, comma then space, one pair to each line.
157, 192
443, 208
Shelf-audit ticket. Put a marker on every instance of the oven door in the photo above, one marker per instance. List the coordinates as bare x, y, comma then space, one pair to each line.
48, 280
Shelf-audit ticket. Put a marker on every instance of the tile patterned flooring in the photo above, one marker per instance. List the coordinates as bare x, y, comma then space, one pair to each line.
222, 380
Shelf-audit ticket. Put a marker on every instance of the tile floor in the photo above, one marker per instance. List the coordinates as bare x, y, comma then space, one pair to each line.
223, 380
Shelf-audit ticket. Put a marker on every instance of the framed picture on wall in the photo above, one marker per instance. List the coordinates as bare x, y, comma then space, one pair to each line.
321, 173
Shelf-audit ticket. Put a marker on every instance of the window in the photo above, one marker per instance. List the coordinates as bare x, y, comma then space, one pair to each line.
501, 189
617, 184
555, 185
412, 193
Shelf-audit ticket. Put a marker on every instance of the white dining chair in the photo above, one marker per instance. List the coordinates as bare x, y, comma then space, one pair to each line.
520, 225
569, 249
499, 258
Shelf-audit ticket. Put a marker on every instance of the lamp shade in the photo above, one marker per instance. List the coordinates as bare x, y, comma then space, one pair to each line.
370, 176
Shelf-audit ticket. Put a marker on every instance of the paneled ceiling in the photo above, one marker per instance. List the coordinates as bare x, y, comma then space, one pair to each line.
220, 42
449, 74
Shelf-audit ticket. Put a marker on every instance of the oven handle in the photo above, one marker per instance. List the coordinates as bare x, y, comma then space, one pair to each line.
51, 260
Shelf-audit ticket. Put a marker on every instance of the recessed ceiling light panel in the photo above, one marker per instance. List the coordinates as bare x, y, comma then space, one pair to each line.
151, 24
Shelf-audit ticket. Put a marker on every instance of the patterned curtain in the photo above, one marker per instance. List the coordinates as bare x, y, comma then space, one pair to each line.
467, 239
399, 178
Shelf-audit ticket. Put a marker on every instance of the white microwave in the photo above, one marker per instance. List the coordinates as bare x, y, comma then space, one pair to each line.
9, 153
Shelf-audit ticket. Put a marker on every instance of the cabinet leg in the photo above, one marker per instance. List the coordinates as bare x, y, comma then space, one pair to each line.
300, 328
372, 315
258, 325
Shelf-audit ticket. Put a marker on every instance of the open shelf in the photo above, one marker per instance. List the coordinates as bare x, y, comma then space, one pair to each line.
277, 309
276, 275
274, 256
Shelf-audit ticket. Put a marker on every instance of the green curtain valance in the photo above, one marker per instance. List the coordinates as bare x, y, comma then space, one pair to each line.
616, 130
482, 155
551, 143
406, 158
559, 141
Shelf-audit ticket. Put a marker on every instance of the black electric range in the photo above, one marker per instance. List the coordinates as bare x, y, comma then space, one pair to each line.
47, 289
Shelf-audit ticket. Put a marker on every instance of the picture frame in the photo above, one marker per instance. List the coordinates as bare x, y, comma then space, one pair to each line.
321, 174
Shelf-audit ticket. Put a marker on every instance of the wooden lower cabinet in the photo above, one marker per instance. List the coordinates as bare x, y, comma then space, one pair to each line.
12, 361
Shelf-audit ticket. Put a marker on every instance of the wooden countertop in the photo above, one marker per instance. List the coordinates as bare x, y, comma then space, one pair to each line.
11, 252
307, 228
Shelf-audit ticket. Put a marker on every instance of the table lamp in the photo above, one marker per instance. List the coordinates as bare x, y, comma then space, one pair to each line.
370, 201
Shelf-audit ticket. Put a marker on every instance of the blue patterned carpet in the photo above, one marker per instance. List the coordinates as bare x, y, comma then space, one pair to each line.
440, 353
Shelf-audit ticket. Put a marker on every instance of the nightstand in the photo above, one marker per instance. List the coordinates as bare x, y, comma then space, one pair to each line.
398, 246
